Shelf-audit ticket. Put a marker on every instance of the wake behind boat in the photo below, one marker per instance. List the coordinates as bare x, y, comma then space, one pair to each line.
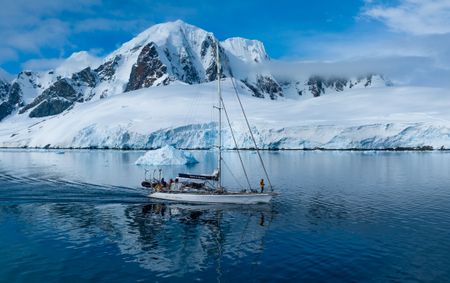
208, 188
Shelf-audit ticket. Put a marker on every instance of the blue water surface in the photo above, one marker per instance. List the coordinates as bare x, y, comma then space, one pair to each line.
71, 216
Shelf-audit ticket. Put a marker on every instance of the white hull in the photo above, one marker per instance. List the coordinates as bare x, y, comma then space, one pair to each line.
235, 198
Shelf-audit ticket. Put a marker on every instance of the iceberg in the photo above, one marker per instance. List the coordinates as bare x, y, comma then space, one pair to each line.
167, 155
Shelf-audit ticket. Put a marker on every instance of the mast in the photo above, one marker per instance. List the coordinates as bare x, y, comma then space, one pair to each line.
219, 161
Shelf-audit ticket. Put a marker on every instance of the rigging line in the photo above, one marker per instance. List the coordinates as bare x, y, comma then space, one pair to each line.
219, 92
188, 116
232, 175
251, 134
244, 232
235, 144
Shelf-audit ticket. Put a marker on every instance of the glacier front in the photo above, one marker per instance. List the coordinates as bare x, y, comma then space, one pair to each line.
183, 115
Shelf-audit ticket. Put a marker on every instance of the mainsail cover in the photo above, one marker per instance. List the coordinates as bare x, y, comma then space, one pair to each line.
213, 177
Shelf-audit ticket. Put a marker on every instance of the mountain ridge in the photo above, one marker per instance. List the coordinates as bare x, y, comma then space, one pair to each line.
160, 55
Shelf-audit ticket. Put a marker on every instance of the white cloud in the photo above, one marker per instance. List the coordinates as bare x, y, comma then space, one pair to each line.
49, 33
419, 17
76, 62
4, 75
402, 70
27, 26
43, 64
64, 66
104, 24
7, 54
417, 55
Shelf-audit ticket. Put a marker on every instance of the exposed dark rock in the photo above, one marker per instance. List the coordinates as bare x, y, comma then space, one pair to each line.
254, 89
368, 81
11, 100
299, 91
29, 77
5, 109
85, 76
269, 86
318, 84
61, 88
338, 83
108, 69
206, 44
190, 75
61, 94
265, 85
15, 95
50, 107
147, 69
4, 90
211, 70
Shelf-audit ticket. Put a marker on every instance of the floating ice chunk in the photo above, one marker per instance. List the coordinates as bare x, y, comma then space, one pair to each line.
167, 155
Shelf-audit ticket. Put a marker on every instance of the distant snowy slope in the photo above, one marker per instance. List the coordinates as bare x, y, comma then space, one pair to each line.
181, 115
249, 51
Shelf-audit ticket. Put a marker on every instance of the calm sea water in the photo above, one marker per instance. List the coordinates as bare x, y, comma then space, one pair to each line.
71, 216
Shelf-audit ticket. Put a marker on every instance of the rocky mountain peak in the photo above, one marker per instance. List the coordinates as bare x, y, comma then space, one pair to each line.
160, 55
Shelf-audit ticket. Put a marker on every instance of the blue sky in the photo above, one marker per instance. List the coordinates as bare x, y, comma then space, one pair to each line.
412, 33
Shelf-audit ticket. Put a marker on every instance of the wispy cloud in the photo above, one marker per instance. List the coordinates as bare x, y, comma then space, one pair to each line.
7, 54
410, 46
402, 70
419, 17
28, 26
49, 33
31, 28
64, 66
4, 75
42, 64
105, 24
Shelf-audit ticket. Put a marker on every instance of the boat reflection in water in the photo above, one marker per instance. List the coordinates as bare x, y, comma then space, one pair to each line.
167, 239
181, 238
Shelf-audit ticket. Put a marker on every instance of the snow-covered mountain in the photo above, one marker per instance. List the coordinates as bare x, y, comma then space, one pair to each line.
173, 52
157, 89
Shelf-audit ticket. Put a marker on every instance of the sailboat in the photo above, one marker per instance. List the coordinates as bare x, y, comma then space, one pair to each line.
211, 189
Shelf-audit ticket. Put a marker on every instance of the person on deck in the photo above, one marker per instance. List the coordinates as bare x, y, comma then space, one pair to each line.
261, 184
